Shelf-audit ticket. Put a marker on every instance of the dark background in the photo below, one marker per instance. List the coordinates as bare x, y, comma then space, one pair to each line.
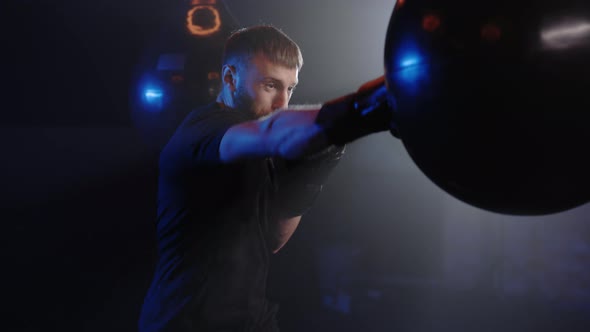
383, 249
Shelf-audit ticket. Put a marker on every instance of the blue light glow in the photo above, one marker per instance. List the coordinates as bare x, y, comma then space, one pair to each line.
413, 77
153, 95
410, 60
412, 72
153, 99
409, 53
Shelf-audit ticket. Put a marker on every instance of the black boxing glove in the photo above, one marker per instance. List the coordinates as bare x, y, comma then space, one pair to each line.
355, 115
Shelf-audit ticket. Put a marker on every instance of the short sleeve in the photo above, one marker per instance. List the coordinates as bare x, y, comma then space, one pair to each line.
196, 141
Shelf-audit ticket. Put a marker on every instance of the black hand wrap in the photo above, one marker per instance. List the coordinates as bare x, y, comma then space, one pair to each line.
352, 116
299, 182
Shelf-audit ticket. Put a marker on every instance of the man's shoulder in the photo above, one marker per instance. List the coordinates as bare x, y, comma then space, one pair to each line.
205, 110
197, 138
215, 111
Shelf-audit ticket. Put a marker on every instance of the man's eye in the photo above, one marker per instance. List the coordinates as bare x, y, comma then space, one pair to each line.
270, 85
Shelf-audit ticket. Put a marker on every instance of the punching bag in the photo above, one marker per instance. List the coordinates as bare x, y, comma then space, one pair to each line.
492, 99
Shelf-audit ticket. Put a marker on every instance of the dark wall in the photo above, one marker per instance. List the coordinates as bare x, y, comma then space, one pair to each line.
78, 183
69, 63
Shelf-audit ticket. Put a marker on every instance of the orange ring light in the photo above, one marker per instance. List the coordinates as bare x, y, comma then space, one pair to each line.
198, 30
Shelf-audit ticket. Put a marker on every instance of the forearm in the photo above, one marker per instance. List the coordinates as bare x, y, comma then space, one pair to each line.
294, 134
281, 231
288, 134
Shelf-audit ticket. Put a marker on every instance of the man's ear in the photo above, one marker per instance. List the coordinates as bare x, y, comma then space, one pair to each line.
229, 77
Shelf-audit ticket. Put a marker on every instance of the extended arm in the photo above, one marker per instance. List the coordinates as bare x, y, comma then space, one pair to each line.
289, 134
292, 134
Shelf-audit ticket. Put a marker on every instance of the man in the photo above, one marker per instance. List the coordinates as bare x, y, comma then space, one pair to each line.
234, 181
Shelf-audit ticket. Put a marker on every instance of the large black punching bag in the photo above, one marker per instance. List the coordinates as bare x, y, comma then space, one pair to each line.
493, 99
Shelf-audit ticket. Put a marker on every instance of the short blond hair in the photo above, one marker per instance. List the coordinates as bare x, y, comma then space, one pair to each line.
267, 40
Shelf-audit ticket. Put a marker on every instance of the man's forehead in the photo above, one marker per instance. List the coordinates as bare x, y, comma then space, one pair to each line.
268, 69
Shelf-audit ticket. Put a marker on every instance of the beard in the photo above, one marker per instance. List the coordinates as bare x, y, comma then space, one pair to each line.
243, 102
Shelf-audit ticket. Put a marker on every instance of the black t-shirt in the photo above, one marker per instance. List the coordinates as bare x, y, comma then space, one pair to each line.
212, 226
